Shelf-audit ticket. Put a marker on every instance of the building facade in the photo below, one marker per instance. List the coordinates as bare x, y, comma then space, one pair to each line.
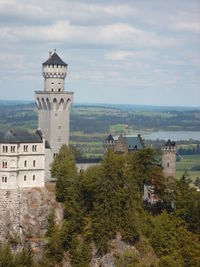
22, 160
53, 106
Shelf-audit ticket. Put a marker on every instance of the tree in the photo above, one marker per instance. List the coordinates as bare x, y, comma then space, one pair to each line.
6, 257
64, 170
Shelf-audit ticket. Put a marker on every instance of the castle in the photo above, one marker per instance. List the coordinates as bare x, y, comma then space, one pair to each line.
25, 158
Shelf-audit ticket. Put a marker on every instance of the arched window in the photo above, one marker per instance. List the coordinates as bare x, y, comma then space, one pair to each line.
4, 164
34, 163
34, 177
24, 177
4, 179
25, 163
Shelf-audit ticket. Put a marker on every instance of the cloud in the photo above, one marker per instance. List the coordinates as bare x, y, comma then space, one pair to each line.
128, 54
118, 34
137, 46
190, 27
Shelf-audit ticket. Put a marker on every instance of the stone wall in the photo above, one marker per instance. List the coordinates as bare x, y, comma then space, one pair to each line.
9, 213
24, 213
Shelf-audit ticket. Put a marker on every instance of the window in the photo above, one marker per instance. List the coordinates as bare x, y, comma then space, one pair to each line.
59, 89
25, 148
167, 164
5, 149
34, 148
34, 163
54, 155
59, 127
25, 163
4, 179
52, 90
24, 177
12, 149
59, 139
33, 177
4, 164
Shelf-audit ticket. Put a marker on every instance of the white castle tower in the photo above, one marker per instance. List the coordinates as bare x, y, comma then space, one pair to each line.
169, 159
53, 105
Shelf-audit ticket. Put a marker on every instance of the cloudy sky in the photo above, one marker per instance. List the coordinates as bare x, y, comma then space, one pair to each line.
130, 51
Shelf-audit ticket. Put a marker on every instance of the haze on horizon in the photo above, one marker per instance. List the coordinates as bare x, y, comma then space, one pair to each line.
130, 52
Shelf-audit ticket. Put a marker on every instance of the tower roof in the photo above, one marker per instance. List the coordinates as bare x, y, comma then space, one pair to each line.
170, 143
54, 60
110, 138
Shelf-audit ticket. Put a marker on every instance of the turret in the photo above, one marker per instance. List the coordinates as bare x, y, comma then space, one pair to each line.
169, 159
54, 73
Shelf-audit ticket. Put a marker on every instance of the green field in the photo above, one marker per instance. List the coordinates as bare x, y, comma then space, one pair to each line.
185, 164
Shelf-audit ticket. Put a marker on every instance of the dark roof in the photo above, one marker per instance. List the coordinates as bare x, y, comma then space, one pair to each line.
170, 143
20, 136
110, 138
92, 160
134, 143
54, 60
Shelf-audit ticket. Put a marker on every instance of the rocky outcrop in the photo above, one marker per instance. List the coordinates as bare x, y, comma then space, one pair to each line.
24, 214
118, 247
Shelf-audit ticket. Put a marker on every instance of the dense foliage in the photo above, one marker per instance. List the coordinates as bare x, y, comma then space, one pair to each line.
106, 200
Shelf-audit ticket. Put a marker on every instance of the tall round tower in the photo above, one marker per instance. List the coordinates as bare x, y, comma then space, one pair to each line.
53, 105
169, 159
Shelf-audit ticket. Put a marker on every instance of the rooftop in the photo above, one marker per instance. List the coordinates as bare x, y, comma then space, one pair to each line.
20, 136
134, 143
54, 60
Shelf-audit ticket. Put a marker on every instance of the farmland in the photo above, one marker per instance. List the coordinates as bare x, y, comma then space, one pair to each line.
91, 124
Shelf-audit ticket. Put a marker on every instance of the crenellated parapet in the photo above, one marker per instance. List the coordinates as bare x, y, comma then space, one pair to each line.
169, 150
54, 71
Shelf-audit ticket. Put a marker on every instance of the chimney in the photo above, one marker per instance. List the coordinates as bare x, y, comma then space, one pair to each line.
50, 54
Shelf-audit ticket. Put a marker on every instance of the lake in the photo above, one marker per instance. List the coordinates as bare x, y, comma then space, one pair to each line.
173, 135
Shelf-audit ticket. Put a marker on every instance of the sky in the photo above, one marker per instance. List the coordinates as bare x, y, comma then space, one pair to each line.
143, 52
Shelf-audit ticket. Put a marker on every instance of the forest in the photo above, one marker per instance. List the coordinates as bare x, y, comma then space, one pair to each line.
108, 199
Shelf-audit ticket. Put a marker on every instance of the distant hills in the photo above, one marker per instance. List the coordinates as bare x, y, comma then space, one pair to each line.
125, 107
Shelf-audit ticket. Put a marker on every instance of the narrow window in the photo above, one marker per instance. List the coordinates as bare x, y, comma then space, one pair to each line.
4, 164
34, 163
167, 164
52, 90
34, 148
25, 163
5, 179
33, 177
5, 149
24, 177
2, 179
12, 148
25, 148
59, 89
